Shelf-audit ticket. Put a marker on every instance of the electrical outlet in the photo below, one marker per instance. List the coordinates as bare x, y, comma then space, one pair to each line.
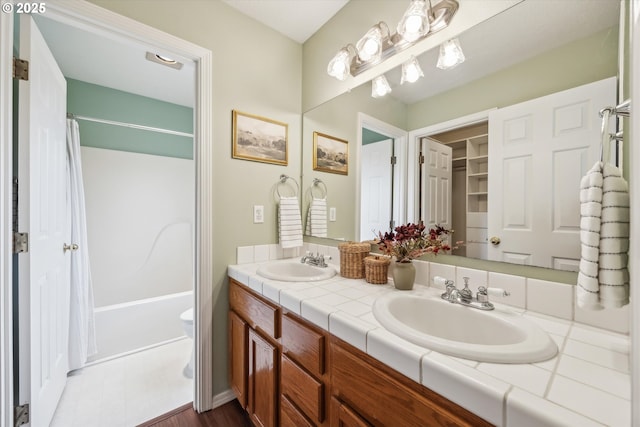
332, 214
258, 214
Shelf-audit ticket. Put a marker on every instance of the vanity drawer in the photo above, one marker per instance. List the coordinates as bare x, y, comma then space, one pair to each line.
290, 416
258, 312
304, 344
302, 389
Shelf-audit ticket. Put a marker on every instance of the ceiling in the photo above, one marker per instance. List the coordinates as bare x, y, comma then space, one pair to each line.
296, 19
114, 63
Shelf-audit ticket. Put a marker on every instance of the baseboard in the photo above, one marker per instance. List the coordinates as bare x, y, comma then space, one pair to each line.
222, 398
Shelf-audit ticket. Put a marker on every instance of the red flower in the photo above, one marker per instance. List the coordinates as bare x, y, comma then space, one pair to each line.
411, 241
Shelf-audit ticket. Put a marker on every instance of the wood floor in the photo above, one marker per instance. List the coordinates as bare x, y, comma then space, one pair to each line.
228, 415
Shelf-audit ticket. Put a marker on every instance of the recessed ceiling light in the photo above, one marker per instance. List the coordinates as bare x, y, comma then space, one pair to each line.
164, 60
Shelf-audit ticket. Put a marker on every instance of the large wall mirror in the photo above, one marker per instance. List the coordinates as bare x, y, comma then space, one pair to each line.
531, 50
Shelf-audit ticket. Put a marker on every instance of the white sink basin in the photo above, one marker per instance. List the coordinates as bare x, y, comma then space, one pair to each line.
497, 336
295, 271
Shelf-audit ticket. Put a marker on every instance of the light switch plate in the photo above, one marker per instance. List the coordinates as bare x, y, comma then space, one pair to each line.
258, 214
332, 214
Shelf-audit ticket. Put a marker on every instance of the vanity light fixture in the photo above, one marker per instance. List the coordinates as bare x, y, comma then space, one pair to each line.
370, 46
418, 22
415, 22
380, 87
339, 66
411, 71
450, 55
164, 60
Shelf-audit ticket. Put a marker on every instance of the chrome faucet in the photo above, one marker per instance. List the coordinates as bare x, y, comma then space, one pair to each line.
318, 260
465, 296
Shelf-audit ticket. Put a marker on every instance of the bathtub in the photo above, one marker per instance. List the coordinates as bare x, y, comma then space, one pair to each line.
133, 326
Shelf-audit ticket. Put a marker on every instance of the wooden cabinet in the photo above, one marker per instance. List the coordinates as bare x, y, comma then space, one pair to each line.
304, 375
262, 387
254, 371
287, 372
382, 397
343, 416
238, 342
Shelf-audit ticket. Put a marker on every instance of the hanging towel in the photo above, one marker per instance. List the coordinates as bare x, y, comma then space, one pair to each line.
317, 218
289, 222
603, 277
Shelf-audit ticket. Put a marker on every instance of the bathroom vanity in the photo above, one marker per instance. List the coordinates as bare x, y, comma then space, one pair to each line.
314, 354
288, 372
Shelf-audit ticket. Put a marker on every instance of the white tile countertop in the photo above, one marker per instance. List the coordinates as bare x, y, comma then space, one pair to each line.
586, 384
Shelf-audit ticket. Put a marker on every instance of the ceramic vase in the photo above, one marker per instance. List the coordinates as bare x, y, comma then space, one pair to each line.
404, 274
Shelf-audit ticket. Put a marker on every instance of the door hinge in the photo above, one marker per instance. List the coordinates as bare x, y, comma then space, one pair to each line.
20, 242
21, 415
20, 69
393, 160
421, 159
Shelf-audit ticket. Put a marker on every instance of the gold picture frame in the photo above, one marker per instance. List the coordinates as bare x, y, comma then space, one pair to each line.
330, 154
259, 139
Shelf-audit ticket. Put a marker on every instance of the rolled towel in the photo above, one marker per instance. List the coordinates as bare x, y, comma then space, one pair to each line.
603, 277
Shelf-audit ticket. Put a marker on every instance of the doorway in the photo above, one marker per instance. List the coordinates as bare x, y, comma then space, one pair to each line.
381, 151
113, 25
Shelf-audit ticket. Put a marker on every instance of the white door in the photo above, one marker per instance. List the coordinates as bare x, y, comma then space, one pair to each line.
43, 212
538, 152
436, 184
375, 194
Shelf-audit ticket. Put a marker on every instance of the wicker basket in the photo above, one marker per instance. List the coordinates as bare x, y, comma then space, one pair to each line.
375, 268
352, 257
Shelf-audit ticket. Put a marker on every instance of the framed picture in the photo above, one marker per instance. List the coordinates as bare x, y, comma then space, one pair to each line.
330, 154
259, 139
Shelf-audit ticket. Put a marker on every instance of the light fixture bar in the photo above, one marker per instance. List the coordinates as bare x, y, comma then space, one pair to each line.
442, 13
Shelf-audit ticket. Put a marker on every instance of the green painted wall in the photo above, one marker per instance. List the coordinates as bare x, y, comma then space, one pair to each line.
584, 61
371, 137
99, 102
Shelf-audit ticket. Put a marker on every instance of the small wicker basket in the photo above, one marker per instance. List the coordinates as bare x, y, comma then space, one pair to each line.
352, 257
376, 268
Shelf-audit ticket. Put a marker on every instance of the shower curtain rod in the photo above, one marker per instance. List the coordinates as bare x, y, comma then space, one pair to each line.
128, 125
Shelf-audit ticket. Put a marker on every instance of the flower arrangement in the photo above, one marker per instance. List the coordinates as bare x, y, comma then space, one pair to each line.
411, 241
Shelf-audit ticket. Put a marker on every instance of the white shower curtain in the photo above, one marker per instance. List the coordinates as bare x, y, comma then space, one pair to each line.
82, 339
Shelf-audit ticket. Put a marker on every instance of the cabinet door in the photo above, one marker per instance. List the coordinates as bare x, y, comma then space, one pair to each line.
238, 357
343, 416
263, 381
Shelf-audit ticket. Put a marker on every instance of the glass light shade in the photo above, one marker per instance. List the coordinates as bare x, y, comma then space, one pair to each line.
450, 55
411, 71
369, 47
339, 66
414, 23
380, 87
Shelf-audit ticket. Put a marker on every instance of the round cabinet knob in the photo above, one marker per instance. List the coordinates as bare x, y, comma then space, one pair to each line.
495, 240
72, 247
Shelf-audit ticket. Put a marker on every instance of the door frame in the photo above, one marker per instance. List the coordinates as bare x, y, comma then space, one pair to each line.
109, 24
413, 184
6, 238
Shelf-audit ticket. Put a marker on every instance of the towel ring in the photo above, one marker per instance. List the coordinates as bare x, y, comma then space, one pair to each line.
316, 183
283, 179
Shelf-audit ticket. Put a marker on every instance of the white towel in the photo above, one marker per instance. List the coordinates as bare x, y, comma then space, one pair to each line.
289, 222
603, 278
317, 218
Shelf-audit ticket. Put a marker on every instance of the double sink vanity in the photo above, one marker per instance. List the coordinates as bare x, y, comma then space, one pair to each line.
311, 348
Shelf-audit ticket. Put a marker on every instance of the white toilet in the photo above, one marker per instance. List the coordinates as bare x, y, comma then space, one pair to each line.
187, 324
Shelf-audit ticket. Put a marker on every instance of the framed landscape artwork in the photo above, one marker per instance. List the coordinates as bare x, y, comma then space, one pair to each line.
259, 139
330, 154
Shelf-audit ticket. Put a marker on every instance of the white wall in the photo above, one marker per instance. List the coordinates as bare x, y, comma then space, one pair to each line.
140, 216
